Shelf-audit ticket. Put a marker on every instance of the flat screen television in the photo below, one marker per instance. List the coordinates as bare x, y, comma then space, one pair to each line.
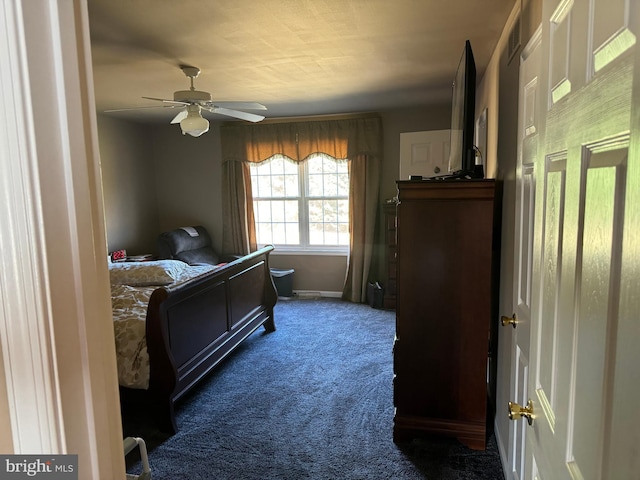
462, 152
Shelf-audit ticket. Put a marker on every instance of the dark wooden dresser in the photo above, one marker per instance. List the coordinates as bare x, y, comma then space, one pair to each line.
447, 289
389, 211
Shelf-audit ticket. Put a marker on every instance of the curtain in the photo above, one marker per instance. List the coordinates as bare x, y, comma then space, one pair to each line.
364, 181
356, 139
238, 233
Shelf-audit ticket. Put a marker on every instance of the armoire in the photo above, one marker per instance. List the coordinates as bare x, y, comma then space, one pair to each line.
447, 243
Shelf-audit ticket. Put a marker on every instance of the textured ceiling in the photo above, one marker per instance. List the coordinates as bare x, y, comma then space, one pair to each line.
297, 57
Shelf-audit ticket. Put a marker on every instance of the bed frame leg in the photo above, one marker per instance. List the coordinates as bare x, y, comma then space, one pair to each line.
165, 417
270, 324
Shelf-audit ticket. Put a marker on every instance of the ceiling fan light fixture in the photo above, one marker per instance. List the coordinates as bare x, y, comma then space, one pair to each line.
194, 124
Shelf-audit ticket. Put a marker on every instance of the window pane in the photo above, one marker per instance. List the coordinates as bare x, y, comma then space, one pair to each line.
329, 165
291, 211
316, 213
330, 237
293, 234
277, 222
290, 167
330, 185
262, 210
263, 232
277, 211
291, 185
343, 185
277, 199
279, 233
277, 186
343, 235
343, 211
328, 215
261, 168
316, 234
328, 222
277, 177
315, 185
330, 209
277, 219
285, 234
264, 186
315, 164
277, 165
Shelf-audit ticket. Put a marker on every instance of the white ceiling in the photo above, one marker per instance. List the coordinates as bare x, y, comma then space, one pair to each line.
297, 57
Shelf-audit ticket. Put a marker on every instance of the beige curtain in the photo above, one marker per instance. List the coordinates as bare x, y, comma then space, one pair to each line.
238, 232
364, 181
357, 139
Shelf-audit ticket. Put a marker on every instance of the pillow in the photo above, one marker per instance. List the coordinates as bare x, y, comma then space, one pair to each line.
142, 274
199, 255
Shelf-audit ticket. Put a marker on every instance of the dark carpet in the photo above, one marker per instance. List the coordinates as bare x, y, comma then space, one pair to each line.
312, 400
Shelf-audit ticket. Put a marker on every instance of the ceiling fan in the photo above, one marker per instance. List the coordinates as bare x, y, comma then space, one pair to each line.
193, 101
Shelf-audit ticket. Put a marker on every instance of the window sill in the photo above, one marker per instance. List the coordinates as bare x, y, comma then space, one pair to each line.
309, 251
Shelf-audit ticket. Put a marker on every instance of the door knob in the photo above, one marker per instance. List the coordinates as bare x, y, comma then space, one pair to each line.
509, 321
516, 411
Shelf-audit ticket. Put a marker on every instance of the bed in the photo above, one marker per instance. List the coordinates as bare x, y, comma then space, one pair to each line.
174, 321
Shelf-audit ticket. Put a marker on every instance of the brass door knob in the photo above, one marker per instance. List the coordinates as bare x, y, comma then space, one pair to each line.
509, 321
516, 411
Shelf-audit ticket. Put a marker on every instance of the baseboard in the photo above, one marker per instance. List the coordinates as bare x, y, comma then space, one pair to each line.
315, 294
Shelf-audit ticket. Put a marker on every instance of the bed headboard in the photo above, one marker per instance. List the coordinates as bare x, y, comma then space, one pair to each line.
188, 244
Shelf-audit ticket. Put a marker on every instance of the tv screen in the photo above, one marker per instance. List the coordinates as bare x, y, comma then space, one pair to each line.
462, 153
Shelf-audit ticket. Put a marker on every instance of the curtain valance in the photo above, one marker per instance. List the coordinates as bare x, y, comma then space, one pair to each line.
341, 139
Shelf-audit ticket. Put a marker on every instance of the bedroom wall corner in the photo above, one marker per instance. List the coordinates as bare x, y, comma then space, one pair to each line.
188, 181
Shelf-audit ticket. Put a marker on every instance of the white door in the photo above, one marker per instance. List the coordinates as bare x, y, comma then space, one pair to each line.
425, 154
584, 354
528, 118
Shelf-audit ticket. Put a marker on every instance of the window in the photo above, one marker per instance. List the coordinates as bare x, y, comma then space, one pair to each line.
302, 206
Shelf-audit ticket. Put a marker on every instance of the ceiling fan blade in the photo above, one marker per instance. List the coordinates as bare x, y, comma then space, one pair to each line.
180, 116
238, 105
166, 101
140, 108
251, 117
